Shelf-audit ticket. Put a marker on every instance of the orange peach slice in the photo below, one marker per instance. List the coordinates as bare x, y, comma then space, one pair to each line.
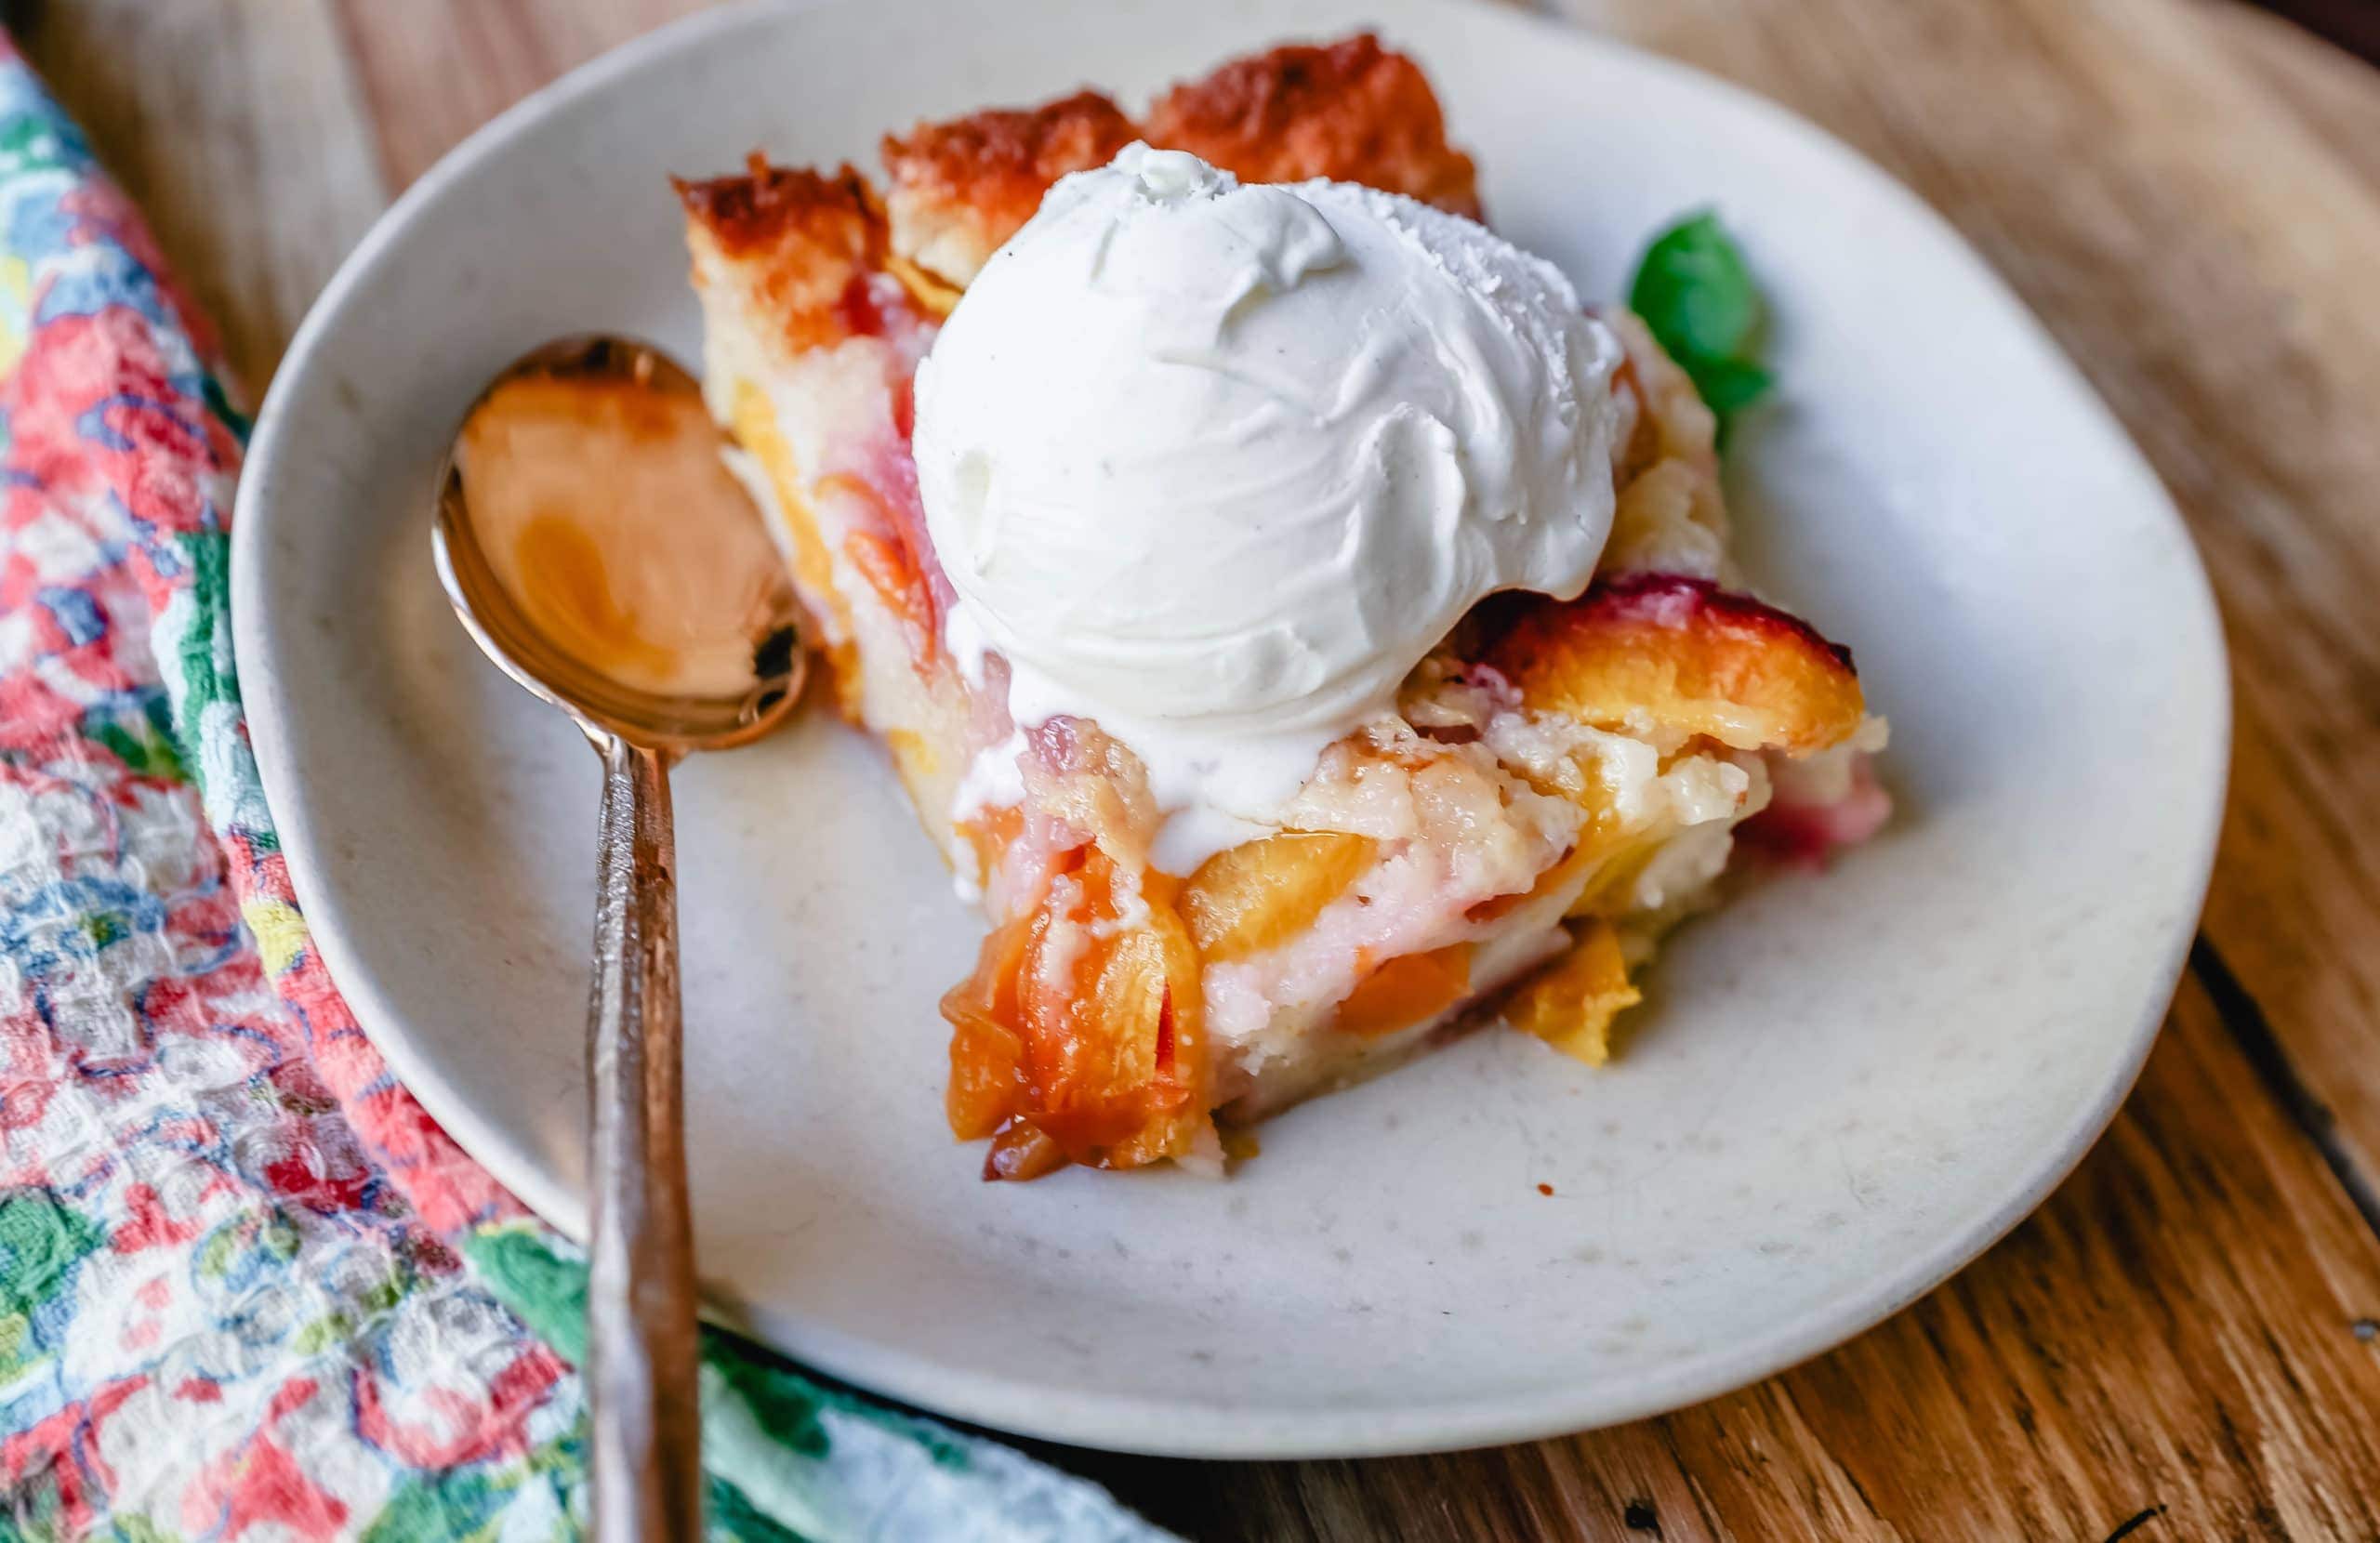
1406, 991
1260, 893
1658, 650
1571, 1003
1077, 1040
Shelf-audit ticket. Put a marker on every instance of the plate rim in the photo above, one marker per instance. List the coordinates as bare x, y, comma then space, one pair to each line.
1122, 1422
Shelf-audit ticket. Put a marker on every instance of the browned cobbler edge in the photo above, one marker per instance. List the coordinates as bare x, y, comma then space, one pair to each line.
1351, 110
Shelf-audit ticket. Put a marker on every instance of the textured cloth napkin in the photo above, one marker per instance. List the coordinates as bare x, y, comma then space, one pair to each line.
247, 1287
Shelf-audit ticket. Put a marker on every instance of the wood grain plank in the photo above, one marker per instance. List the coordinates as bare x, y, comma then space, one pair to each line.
2334, 93
435, 70
2354, 25
235, 126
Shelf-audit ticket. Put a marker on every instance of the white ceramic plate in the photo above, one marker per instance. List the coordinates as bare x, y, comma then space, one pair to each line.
1843, 1087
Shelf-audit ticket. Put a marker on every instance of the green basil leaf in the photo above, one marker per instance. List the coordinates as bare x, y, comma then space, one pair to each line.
1696, 293
1729, 386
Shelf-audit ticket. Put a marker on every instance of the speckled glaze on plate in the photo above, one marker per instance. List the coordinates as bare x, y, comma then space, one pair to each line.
1843, 1087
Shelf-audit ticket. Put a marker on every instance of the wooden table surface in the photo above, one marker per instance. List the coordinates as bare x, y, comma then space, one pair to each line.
2182, 1344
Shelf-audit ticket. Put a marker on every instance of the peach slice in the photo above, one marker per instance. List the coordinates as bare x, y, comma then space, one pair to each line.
1660, 651
1408, 990
1079, 1040
1571, 1003
986, 1011
1256, 894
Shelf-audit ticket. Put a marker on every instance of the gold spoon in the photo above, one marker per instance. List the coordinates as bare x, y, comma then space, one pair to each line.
597, 548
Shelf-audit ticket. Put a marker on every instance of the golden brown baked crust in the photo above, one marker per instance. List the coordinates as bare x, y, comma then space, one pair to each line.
956, 190
961, 188
1351, 110
799, 244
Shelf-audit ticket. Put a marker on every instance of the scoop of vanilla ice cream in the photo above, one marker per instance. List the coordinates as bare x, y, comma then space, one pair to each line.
1216, 465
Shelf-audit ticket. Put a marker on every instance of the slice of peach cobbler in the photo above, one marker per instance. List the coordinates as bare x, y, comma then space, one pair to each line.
1301, 625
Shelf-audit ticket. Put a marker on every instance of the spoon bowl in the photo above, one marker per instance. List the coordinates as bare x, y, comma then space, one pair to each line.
506, 631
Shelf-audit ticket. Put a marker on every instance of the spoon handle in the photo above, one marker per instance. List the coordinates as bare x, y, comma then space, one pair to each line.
641, 1346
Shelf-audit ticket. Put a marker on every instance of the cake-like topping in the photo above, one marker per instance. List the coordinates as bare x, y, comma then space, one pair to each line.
961, 188
1351, 110
1216, 465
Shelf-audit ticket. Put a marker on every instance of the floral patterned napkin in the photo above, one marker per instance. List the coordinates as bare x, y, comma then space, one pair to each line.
246, 1286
